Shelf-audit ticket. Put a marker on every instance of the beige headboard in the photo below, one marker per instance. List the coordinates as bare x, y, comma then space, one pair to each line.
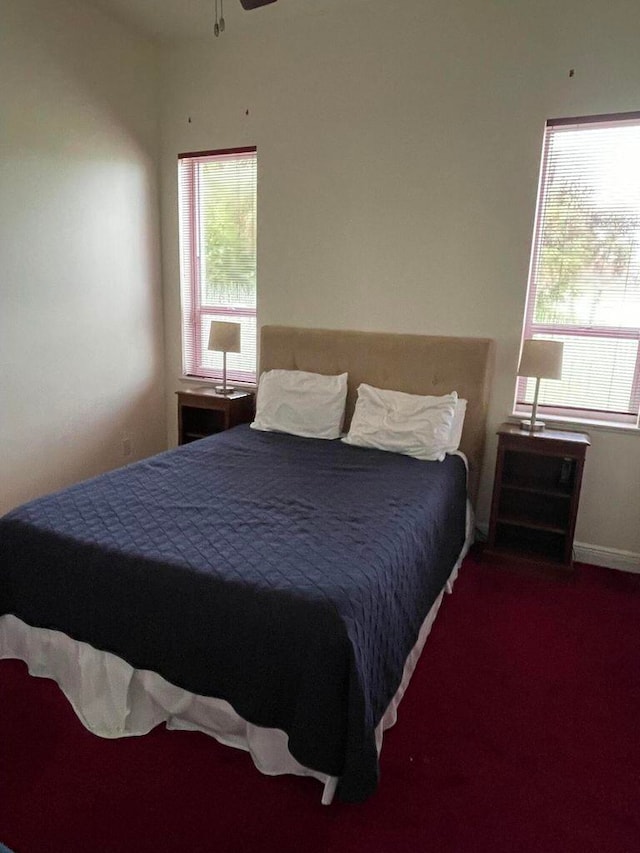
417, 364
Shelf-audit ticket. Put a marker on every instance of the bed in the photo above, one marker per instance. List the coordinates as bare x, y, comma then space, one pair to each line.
271, 590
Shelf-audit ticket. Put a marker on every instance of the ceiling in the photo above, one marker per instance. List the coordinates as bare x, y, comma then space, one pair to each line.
170, 20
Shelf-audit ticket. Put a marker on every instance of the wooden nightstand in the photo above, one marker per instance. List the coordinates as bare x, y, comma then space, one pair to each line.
202, 412
535, 495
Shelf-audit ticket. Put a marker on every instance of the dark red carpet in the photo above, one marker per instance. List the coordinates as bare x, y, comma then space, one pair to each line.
520, 732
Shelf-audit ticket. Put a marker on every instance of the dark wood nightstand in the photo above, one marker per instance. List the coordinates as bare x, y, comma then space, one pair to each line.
202, 412
535, 496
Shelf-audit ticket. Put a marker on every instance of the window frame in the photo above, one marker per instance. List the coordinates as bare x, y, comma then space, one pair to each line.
193, 310
532, 329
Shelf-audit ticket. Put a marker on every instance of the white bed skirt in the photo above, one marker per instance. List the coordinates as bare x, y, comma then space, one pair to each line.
114, 700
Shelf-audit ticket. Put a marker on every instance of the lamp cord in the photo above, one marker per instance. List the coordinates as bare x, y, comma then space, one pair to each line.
219, 25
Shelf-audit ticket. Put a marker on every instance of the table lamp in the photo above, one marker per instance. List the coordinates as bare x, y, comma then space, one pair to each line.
542, 360
224, 337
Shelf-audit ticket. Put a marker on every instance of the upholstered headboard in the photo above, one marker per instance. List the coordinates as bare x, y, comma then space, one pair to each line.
417, 364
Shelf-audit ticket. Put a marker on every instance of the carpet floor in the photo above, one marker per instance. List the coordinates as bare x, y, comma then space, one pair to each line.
519, 732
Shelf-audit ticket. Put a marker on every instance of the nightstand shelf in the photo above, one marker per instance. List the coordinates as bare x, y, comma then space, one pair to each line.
529, 522
524, 545
190, 435
535, 495
552, 493
203, 412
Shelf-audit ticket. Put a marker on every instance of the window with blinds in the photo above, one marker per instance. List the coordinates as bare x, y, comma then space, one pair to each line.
217, 223
584, 281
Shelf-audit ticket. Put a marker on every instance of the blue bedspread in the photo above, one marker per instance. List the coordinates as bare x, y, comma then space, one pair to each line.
289, 576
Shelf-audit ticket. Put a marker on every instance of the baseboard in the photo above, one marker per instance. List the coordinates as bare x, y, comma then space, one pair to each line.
610, 558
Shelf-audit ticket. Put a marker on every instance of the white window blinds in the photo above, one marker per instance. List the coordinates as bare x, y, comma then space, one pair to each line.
217, 222
584, 283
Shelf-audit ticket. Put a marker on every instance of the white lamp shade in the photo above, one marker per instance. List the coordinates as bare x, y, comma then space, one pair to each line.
542, 359
224, 336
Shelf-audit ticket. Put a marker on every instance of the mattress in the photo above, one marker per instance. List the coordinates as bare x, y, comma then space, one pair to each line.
286, 576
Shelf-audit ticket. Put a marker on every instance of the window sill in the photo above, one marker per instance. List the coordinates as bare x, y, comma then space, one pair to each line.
579, 423
201, 380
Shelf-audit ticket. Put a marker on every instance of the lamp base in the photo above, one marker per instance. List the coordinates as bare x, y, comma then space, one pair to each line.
221, 389
536, 426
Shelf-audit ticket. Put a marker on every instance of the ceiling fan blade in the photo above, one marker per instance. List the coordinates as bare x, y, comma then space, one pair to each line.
255, 4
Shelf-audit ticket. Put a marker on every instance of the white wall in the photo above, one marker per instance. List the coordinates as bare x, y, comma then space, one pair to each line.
398, 148
81, 337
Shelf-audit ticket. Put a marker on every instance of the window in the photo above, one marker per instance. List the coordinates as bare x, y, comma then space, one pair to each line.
584, 281
217, 210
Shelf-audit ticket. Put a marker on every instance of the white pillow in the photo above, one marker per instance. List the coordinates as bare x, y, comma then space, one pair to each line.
301, 403
456, 428
403, 423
